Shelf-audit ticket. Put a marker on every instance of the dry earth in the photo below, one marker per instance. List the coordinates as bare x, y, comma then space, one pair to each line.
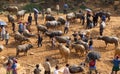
27, 63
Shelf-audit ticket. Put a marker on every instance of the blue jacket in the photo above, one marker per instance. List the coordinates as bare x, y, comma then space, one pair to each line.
65, 6
21, 27
116, 62
103, 18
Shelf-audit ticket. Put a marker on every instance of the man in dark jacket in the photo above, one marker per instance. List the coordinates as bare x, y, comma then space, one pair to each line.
95, 19
13, 27
36, 17
101, 29
39, 40
37, 69
30, 19
75, 34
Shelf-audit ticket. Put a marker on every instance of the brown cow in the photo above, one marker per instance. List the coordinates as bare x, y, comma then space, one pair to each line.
11, 9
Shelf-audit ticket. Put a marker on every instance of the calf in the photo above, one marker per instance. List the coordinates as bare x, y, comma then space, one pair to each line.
23, 48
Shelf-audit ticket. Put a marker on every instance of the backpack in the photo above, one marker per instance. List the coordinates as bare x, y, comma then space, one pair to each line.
92, 63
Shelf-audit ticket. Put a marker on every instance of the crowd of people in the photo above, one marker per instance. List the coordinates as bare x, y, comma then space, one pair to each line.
47, 67
11, 66
23, 26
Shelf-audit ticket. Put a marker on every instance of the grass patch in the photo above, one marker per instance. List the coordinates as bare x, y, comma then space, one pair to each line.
29, 7
83, 7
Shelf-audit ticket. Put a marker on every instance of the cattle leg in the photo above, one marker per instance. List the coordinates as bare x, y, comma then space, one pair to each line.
116, 45
25, 53
17, 53
106, 44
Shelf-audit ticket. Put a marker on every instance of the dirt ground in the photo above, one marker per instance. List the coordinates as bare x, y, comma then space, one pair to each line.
27, 63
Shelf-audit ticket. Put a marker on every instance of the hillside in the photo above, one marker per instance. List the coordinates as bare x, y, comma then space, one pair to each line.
27, 63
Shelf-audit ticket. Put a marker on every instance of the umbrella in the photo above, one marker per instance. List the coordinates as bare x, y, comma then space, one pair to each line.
2, 23
93, 55
35, 10
88, 10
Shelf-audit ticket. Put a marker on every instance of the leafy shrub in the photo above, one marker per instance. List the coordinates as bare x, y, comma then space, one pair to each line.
29, 7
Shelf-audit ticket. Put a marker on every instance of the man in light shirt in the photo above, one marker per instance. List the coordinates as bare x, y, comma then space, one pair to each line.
6, 37
57, 9
66, 69
47, 67
56, 71
3, 33
66, 29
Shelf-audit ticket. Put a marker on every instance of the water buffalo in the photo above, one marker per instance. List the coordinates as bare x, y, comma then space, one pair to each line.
10, 18
62, 39
52, 34
23, 48
42, 28
53, 24
49, 18
18, 37
20, 14
79, 48
109, 39
61, 20
11, 9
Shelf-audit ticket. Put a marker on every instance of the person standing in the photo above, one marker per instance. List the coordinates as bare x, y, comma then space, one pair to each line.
66, 28
91, 44
95, 19
9, 66
37, 69
102, 25
65, 8
6, 37
83, 18
43, 14
116, 66
92, 66
47, 67
28, 27
66, 69
39, 40
53, 42
14, 66
56, 71
3, 33
30, 19
36, 16
13, 27
88, 19
75, 35
57, 9
21, 28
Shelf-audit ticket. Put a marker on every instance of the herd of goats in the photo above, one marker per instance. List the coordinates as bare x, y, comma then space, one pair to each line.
50, 29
